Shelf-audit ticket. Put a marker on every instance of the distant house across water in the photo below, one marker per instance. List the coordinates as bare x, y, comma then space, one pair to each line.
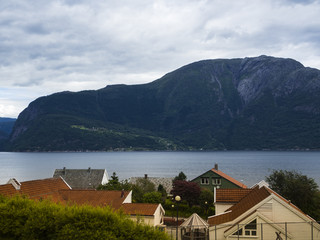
214, 178
82, 178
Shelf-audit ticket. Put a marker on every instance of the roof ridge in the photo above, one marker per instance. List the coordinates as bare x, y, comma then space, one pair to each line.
231, 179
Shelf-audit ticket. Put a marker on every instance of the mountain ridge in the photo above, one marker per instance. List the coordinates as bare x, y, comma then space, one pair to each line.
243, 103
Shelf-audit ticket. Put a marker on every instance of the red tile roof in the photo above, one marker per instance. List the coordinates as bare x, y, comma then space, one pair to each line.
222, 174
7, 190
253, 198
57, 190
246, 203
36, 189
231, 195
145, 209
94, 197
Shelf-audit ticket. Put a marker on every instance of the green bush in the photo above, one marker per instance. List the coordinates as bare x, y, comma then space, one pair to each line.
152, 197
21, 218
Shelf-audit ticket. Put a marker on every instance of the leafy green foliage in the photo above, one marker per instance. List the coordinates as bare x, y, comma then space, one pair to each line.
115, 184
143, 190
185, 210
163, 191
146, 185
27, 219
299, 189
181, 176
152, 197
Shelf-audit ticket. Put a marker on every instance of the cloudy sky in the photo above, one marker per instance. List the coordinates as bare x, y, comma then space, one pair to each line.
57, 45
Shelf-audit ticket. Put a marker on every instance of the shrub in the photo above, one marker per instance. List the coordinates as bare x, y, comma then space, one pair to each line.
27, 219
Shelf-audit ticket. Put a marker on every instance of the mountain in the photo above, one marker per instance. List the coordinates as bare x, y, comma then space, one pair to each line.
6, 125
250, 103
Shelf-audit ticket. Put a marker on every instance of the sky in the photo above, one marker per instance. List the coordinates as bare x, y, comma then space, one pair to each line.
72, 45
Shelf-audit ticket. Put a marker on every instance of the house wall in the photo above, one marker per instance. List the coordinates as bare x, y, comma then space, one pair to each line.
105, 178
149, 220
217, 233
274, 211
157, 216
301, 229
128, 198
211, 175
221, 207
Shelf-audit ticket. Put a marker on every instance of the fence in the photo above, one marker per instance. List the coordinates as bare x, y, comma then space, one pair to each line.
259, 231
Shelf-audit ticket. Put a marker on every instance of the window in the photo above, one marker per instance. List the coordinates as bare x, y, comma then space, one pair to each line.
248, 230
251, 228
216, 181
205, 181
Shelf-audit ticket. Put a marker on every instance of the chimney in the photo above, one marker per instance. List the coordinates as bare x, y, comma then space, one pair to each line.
64, 171
216, 166
15, 183
89, 170
145, 176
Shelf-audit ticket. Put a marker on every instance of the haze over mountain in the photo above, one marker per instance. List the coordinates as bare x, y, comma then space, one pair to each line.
251, 103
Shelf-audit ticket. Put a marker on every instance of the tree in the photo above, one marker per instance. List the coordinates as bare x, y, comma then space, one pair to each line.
206, 199
181, 177
188, 191
163, 192
299, 189
146, 185
114, 184
152, 197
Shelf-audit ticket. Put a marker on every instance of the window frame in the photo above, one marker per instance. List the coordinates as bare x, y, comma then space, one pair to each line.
216, 181
205, 180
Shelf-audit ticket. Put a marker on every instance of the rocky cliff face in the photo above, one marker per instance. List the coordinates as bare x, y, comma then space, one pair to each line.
250, 103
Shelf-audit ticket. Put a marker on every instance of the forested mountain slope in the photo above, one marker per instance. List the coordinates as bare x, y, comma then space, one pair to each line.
251, 103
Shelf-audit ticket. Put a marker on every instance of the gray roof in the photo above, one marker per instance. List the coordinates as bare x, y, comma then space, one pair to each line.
165, 182
82, 178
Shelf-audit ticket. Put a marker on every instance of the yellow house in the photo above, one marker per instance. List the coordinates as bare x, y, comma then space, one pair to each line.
150, 214
259, 213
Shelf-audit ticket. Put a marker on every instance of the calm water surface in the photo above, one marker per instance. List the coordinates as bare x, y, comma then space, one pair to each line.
249, 167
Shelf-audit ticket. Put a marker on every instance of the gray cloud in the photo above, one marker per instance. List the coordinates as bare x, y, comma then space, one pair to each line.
49, 46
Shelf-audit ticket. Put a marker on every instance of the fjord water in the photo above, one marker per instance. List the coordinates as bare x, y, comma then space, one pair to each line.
248, 167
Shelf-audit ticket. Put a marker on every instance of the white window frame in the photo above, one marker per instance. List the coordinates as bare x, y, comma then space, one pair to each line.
205, 181
253, 232
216, 181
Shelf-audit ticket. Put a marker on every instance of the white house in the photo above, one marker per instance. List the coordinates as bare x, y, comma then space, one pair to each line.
259, 213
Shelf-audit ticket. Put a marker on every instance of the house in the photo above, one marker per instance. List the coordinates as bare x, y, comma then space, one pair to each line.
57, 190
215, 178
259, 213
82, 178
151, 214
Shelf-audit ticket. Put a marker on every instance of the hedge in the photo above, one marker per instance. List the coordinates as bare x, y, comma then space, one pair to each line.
22, 218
